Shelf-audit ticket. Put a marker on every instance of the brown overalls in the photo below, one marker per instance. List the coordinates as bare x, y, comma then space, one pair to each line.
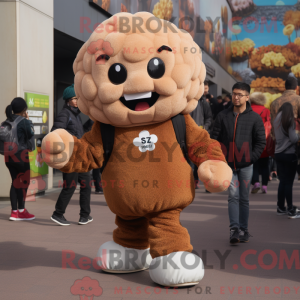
147, 182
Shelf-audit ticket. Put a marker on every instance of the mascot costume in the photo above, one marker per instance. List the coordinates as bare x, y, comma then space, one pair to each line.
138, 84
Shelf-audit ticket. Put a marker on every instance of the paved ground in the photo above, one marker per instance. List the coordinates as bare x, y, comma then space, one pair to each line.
31, 264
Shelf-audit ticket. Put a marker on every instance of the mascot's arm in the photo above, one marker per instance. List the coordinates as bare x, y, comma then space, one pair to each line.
87, 153
207, 155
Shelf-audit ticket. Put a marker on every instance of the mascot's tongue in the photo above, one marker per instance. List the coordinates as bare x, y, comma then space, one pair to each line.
141, 106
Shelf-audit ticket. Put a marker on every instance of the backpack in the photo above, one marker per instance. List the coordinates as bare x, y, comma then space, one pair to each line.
8, 136
9, 142
108, 137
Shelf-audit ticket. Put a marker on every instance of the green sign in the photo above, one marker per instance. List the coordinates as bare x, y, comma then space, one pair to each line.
37, 100
38, 112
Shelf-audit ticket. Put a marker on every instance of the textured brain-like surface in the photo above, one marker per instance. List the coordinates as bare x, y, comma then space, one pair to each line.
179, 89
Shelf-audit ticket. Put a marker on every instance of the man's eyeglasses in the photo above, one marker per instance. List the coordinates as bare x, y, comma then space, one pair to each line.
238, 95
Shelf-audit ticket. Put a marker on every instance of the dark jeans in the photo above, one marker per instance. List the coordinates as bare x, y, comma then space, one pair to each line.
69, 186
97, 179
261, 166
20, 175
286, 169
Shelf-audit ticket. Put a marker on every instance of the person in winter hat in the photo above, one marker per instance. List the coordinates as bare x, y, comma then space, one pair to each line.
69, 120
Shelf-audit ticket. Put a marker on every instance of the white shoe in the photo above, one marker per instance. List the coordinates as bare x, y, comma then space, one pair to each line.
114, 258
177, 269
296, 216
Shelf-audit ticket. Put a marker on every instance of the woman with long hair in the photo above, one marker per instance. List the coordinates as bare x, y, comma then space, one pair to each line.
286, 158
18, 163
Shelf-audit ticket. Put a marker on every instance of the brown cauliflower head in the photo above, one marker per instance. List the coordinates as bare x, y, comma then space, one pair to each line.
137, 75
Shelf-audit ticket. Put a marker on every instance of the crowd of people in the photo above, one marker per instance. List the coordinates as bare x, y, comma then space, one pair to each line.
240, 122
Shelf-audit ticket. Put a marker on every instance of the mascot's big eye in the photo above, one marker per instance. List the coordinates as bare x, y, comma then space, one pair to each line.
156, 68
117, 73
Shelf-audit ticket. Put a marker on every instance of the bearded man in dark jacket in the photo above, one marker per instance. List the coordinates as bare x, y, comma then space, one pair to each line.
241, 134
69, 119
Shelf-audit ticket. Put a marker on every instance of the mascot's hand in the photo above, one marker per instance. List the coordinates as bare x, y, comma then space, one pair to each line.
57, 148
216, 175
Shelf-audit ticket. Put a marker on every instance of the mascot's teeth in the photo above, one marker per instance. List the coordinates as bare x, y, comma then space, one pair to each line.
136, 96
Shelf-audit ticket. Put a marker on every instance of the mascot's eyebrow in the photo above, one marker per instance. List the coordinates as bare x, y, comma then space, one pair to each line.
164, 48
103, 56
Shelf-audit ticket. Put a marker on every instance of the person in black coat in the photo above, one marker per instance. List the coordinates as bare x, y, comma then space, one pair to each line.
224, 104
202, 115
213, 103
69, 119
220, 99
241, 133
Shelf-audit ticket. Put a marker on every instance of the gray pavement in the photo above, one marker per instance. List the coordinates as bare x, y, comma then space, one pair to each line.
34, 255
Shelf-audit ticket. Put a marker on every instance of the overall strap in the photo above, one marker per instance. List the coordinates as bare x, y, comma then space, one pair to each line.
108, 137
180, 132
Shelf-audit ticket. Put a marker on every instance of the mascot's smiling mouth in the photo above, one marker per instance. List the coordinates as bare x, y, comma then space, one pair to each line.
139, 101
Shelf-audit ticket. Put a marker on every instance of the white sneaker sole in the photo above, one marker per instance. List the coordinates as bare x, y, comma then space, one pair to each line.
19, 219
89, 221
59, 222
123, 271
294, 217
183, 284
